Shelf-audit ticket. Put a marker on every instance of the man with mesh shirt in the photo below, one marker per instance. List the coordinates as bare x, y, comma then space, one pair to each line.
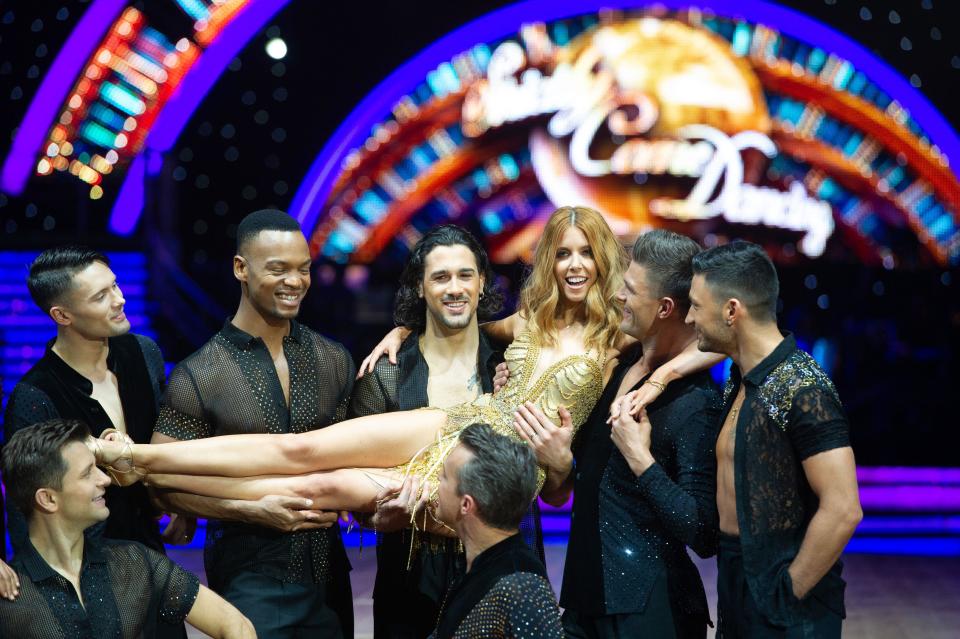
786, 479
100, 373
266, 373
74, 586
445, 286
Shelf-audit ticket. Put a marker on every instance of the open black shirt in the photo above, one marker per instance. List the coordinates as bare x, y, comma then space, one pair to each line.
52, 389
791, 412
626, 529
127, 591
230, 386
438, 559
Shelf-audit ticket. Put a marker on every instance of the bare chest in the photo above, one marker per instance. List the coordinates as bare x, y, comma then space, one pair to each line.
726, 443
456, 383
107, 393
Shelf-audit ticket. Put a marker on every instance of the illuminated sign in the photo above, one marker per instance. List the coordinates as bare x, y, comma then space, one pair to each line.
728, 119
583, 96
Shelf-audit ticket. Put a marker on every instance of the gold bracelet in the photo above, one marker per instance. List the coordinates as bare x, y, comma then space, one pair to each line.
658, 385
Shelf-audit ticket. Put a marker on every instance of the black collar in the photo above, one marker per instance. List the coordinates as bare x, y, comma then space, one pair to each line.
494, 553
244, 340
771, 361
69, 376
39, 570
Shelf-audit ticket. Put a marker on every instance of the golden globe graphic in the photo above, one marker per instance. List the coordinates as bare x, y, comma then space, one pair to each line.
711, 126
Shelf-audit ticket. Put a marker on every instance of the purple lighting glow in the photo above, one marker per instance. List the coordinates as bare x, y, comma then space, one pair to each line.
49, 97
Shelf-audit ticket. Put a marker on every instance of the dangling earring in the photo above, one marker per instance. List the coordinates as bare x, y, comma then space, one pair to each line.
481, 294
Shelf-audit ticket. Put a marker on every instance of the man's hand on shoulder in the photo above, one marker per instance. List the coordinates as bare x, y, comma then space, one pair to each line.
287, 514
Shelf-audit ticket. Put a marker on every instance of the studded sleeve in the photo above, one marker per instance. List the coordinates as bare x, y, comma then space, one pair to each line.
182, 414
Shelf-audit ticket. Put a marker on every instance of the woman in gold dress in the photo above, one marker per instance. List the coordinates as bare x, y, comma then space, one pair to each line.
564, 334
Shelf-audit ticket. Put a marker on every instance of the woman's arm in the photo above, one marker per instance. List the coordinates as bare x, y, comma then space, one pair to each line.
690, 360
504, 330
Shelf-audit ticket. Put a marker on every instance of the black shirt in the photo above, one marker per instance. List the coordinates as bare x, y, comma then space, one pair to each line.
504, 595
626, 529
438, 559
791, 412
127, 591
230, 386
51, 389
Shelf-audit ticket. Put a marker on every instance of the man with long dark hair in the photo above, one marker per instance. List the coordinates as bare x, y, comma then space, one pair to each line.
445, 287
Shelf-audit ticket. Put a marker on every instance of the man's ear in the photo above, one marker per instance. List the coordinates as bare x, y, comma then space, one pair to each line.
667, 306
60, 315
420, 290
468, 505
240, 268
47, 499
733, 311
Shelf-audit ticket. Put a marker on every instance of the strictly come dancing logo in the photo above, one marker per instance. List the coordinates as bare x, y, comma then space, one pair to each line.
647, 118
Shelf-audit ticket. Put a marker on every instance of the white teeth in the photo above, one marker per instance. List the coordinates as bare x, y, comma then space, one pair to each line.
574, 281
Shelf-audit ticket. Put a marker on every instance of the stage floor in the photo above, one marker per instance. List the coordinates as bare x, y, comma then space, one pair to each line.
888, 597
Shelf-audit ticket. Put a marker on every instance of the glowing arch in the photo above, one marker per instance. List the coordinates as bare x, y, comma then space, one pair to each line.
313, 192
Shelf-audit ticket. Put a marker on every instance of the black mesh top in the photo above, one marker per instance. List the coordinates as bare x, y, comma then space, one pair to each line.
791, 412
230, 386
404, 387
51, 388
626, 530
505, 595
127, 590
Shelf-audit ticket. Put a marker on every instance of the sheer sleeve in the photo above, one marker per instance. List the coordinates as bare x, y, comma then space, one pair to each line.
817, 422
176, 588
372, 393
182, 415
687, 507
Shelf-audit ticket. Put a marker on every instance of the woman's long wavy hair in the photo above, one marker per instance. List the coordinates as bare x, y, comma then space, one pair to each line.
540, 296
410, 310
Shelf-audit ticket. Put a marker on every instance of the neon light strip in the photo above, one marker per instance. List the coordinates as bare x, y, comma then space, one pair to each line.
314, 190
57, 82
194, 87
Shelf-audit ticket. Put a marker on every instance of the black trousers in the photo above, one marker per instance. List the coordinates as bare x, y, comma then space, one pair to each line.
657, 621
739, 616
281, 610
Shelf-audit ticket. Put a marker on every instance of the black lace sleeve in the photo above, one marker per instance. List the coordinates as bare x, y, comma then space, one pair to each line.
817, 422
176, 588
182, 415
687, 507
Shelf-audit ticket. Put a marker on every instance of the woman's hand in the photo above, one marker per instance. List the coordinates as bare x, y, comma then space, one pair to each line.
501, 377
9, 582
389, 345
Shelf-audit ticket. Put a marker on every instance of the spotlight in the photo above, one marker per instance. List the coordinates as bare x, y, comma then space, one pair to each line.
276, 48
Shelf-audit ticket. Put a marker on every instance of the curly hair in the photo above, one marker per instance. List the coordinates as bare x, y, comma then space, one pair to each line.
409, 309
540, 295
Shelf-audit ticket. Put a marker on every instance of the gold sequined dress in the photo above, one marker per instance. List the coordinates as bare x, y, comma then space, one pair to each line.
575, 382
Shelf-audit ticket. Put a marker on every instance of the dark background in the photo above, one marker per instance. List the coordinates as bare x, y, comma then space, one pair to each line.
253, 138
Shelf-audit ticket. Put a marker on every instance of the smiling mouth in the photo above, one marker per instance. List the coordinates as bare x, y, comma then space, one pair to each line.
576, 282
456, 306
119, 317
289, 298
